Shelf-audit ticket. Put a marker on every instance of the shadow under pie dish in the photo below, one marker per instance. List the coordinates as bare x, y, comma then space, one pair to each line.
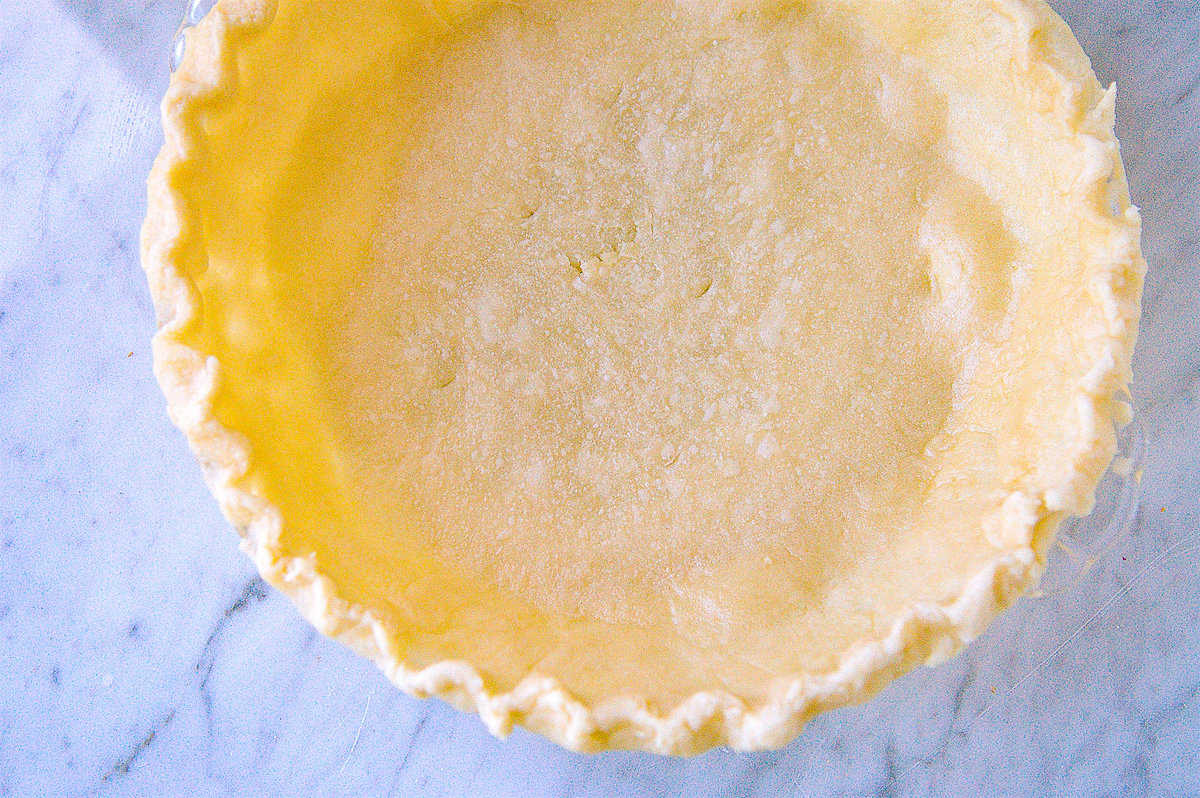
653, 375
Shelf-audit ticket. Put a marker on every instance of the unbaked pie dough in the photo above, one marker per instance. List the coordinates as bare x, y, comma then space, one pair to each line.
652, 374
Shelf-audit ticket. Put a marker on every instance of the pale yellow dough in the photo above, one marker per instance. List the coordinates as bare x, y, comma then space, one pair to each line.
653, 374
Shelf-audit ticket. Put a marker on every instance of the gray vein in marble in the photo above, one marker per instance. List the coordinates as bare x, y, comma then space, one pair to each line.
253, 592
123, 765
408, 749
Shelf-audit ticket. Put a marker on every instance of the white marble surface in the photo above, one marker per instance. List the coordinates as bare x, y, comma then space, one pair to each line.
140, 655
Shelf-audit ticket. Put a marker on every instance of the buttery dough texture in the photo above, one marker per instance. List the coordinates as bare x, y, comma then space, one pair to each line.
654, 374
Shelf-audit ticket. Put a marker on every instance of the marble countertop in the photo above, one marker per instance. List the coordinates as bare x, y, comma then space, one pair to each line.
142, 656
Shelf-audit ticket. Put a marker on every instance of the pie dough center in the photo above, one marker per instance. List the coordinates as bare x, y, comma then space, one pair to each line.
665, 310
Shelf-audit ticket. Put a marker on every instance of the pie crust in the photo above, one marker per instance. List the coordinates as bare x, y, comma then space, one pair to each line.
652, 375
